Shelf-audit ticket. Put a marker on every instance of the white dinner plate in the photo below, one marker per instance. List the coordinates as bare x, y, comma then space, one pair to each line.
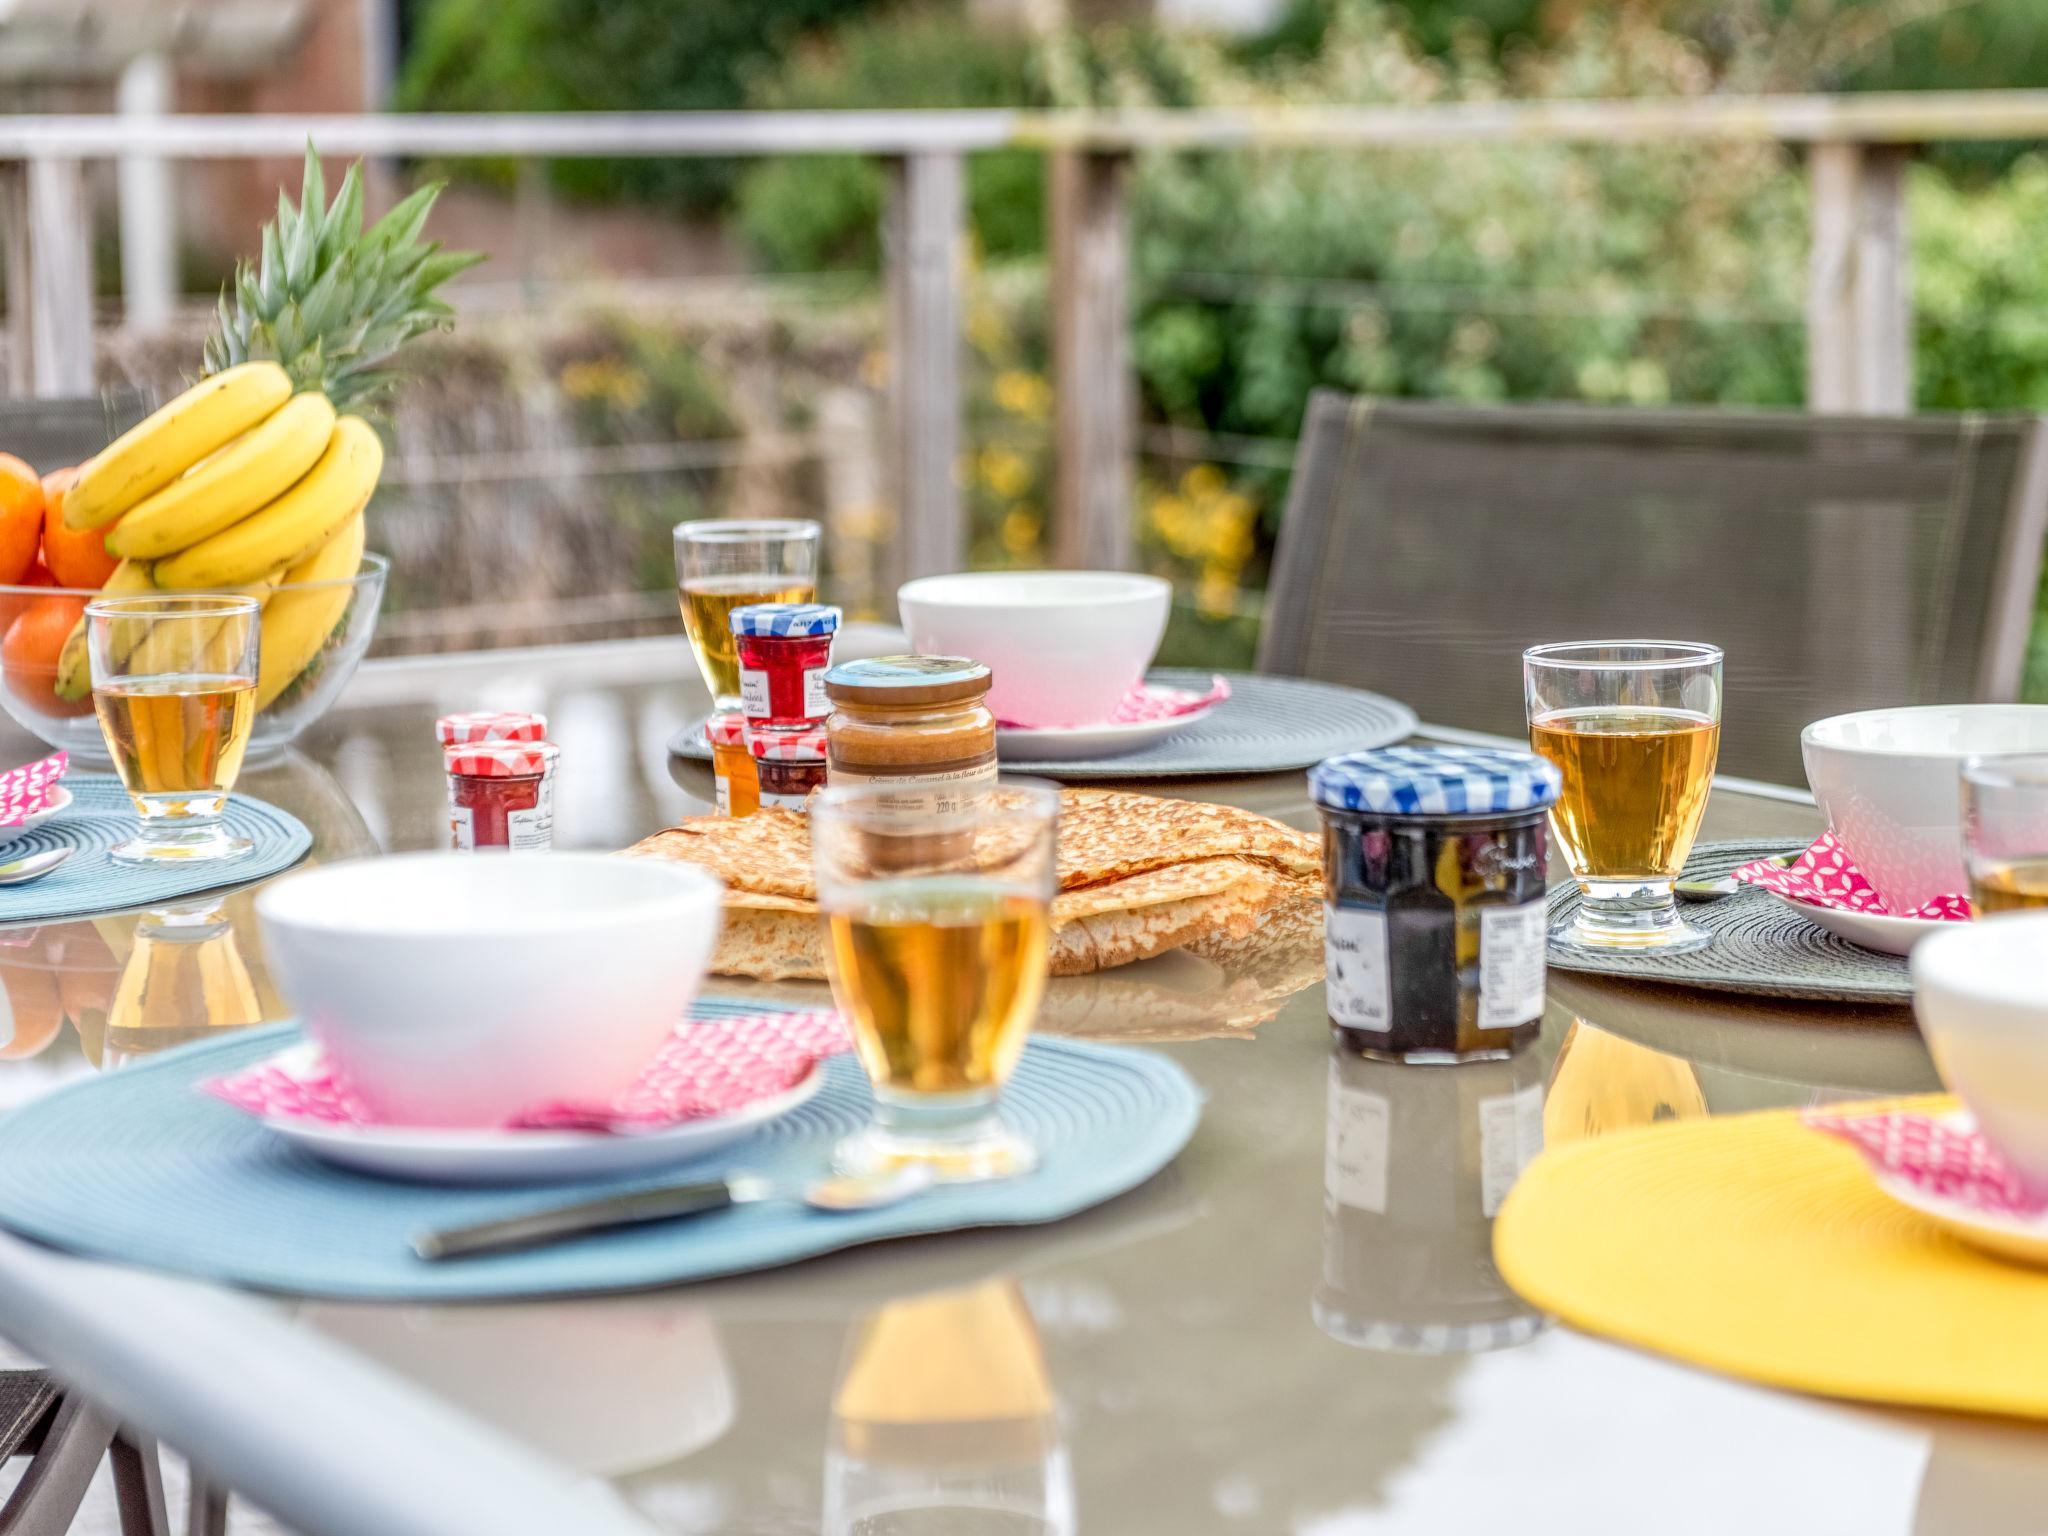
1068, 743
519, 1157
1868, 930
59, 801
2010, 1237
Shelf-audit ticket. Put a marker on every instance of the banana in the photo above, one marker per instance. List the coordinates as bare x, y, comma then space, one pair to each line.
150, 455
299, 521
74, 671
244, 477
296, 624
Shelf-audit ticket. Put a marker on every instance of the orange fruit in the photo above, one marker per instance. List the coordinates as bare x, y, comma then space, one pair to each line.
14, 603
28, 655
33, 1012
21, 518
77, 557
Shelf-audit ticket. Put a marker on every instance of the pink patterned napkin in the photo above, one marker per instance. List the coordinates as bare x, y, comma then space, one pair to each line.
1945, 1156
26, 790
707, 1067
1150, 701
1825, 876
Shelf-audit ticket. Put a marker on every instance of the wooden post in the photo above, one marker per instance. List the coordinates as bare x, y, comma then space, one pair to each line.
921, 241
1884, 292
59, 278
14, 263
1094, 394
1834, 170
1859, 304
148, 204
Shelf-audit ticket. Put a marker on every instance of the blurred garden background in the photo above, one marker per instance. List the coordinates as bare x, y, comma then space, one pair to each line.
654, 340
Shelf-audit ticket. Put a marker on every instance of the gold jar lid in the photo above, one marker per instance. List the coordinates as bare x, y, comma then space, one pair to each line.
901, 681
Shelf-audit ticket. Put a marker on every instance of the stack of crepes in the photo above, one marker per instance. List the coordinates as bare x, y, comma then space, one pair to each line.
1138, 875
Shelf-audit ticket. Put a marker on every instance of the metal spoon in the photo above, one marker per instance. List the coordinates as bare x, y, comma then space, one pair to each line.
535, 1229
1726, 885
33, 866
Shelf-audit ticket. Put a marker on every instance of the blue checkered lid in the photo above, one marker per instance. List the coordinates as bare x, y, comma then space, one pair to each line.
1434, 781
792, 619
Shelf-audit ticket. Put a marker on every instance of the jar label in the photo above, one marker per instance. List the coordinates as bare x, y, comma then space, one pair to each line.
534, 829
754, 693
1355, 1147
817, 702
1510, 1136
1355, 959
461, 827
1511, 944
724, 793
944, 793
787, 802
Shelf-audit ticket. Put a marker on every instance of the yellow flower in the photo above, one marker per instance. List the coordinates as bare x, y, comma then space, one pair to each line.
1006, 472
1202, 481
1021, 527
1216, 594
1023, 393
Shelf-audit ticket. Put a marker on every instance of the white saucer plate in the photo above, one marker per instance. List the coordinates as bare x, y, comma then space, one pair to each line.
1868, 930
59, 801
524, 1157
2009, 1237
1071, 743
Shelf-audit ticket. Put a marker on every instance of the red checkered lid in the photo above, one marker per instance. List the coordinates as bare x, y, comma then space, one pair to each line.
502, 759
806, 746
726, 730
490, 725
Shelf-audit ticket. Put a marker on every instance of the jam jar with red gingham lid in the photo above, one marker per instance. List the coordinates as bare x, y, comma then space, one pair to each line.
473, 725
790, 764
501, 794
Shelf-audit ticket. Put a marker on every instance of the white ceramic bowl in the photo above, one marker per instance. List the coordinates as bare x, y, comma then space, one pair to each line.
457, 989
1063, 647
1981, 991
1887, 781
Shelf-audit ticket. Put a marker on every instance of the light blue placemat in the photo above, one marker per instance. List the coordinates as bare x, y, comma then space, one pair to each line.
137, 1166
101, 816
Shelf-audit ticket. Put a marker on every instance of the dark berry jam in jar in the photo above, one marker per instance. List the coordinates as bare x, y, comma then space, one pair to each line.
1434, 918
785, 650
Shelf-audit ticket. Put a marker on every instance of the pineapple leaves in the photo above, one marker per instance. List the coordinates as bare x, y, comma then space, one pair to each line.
331, 300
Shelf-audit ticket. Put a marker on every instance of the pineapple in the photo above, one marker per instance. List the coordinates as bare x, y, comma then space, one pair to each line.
331, 301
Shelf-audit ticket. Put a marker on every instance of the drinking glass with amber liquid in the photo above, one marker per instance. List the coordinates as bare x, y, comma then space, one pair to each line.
2005, 832
938, 928
1634, 727
728, 563
174, 685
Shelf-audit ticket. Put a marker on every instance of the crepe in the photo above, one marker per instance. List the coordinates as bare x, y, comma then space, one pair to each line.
1138, 875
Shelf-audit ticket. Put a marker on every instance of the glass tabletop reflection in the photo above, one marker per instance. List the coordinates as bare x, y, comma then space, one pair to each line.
1296, 1327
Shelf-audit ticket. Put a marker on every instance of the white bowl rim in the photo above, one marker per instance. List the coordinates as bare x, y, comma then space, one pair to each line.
693, 889
1810, 736
1995, 960
931, 589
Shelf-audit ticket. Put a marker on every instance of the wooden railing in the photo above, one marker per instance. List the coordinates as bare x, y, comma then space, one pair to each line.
1858, 306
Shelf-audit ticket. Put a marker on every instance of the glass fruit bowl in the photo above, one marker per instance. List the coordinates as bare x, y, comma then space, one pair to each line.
36, 621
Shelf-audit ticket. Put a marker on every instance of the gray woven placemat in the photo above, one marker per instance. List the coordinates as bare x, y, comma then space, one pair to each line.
1267, 725
99, 817
1761, 944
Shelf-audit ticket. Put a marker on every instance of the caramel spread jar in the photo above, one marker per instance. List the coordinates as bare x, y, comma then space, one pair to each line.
919, 724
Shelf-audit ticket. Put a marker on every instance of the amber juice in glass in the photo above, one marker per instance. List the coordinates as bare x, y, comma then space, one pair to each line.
728, 563
174, 686
2005, 832
938, 929
1634, 727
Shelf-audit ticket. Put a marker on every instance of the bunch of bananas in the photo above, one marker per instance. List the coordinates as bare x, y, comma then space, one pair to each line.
239, 484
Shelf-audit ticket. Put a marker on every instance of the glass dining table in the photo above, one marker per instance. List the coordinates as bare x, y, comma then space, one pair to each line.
1296, 1327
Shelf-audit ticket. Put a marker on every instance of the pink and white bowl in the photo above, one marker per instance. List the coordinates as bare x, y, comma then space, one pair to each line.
1063, 647
456, 989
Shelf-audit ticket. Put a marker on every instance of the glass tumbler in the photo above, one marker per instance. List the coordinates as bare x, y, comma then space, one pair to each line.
939, 927
728, 563
174, 685
1634, 727
2005, 832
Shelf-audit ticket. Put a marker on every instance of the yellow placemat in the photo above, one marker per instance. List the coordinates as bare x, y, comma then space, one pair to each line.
1754, 1246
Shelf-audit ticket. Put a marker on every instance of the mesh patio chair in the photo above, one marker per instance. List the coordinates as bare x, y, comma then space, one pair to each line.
52, 433
1841, 562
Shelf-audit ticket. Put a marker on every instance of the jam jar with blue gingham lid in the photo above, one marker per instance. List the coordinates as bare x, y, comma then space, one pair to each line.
1433, 874
785, 650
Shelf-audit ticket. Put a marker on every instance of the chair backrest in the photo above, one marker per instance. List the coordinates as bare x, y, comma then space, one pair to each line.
1841, 562
50, 434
